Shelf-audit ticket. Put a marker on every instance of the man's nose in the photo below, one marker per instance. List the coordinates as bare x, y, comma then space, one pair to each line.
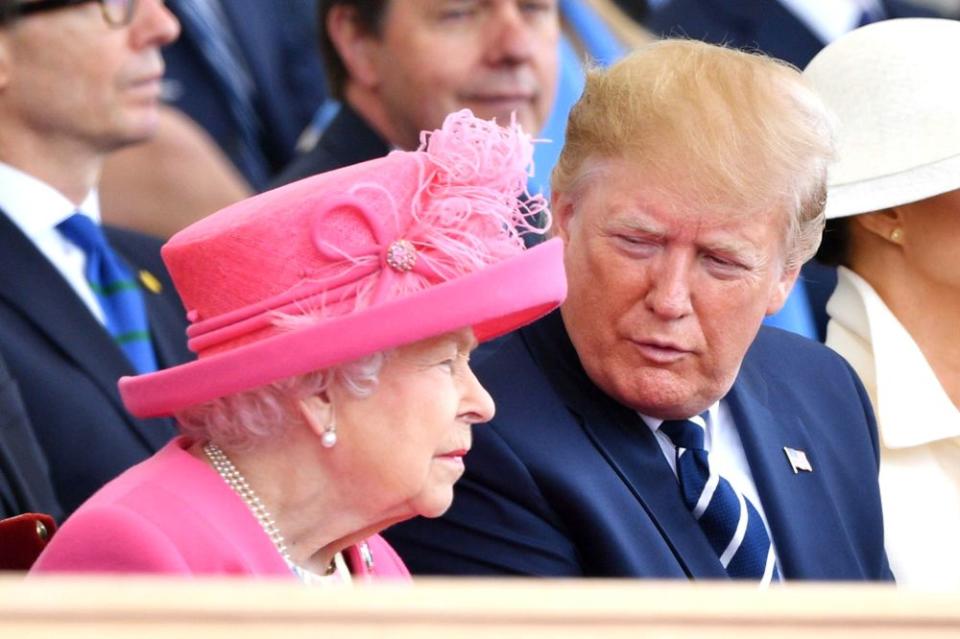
153, 24
669, 294
511, 39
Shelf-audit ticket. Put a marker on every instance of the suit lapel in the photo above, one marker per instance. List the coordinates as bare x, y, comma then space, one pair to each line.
627, 444
32, 285
798, 506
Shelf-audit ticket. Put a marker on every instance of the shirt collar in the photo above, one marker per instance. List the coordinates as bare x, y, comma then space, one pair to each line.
35, 206
912, 407
654, 423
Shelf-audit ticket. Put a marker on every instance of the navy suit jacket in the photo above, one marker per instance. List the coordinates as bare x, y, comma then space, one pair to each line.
759, 24
280, 50
67, 366
24, 478
567, 482
348, 139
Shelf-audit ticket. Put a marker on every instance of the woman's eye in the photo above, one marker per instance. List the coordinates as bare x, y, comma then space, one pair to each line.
448, 365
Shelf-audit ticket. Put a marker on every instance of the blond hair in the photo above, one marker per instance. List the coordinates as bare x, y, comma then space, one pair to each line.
739, 130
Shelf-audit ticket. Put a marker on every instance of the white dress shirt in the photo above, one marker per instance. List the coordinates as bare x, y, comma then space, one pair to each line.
919, 435
725, 451
36, 208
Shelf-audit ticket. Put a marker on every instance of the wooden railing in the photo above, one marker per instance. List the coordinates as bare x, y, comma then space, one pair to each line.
141, 608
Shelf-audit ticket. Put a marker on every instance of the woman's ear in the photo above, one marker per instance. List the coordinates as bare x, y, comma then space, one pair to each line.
317, 412
886, 224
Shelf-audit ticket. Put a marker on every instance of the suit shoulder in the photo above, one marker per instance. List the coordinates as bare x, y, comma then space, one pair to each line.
779, 346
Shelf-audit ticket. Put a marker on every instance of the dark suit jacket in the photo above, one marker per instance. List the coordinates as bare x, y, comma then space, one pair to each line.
758, 24
24, 478
347, 140
280, 50
67, 365
567, 482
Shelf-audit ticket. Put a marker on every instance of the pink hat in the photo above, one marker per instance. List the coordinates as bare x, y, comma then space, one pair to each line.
365, 258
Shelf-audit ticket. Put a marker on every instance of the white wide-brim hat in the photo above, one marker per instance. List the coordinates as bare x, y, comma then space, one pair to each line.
895, 89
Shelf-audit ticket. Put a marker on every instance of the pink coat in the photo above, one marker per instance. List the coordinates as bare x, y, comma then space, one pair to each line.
173, 514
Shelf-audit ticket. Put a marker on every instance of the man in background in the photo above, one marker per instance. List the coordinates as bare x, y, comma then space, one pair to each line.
400, 66
80, 304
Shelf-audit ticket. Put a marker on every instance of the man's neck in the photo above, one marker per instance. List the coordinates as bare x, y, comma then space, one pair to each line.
70, 168
369, 107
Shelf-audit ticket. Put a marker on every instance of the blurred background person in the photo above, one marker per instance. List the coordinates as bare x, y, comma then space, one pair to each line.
166, 183
398, 67
242, 83
248, 72
81, 304
792, 30
333, 395
894, 232
593, 33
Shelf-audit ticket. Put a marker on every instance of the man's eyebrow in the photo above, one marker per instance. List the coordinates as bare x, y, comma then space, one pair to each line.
636, 223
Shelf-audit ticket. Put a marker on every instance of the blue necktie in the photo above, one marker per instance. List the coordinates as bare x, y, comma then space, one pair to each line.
116, 290
209, 26
731, 523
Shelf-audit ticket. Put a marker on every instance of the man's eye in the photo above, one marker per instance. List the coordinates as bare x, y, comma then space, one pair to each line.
635, 243
457, 11
724, 264
537, 7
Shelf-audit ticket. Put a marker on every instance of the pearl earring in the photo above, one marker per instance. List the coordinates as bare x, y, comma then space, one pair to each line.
896, 235
329, 438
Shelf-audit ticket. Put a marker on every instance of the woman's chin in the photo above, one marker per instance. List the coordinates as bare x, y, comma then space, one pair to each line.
436, 503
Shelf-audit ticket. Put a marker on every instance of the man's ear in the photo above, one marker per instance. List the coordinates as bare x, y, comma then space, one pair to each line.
317, 412
886, 224
781, 290
357, 47
562, 208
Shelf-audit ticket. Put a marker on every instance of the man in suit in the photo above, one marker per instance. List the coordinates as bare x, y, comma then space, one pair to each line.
77, 311
399, 68
651, 427
249, 73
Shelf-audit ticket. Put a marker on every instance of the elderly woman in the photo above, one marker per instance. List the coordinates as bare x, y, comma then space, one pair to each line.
332, 396
894, 231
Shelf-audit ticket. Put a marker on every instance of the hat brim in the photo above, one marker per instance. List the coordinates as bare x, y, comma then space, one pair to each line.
882, 192
493, 301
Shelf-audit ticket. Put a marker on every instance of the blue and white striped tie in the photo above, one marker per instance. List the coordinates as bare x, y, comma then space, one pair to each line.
731, 523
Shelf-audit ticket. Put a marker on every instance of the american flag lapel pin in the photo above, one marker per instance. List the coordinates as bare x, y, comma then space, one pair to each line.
798, 460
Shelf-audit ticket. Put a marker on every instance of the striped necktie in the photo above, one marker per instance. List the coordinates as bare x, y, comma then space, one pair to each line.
731, 523
116, 291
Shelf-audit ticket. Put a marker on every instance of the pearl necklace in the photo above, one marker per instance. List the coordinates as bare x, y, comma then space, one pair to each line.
239, 485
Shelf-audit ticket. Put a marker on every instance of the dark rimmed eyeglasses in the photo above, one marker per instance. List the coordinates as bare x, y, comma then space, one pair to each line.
116, 13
